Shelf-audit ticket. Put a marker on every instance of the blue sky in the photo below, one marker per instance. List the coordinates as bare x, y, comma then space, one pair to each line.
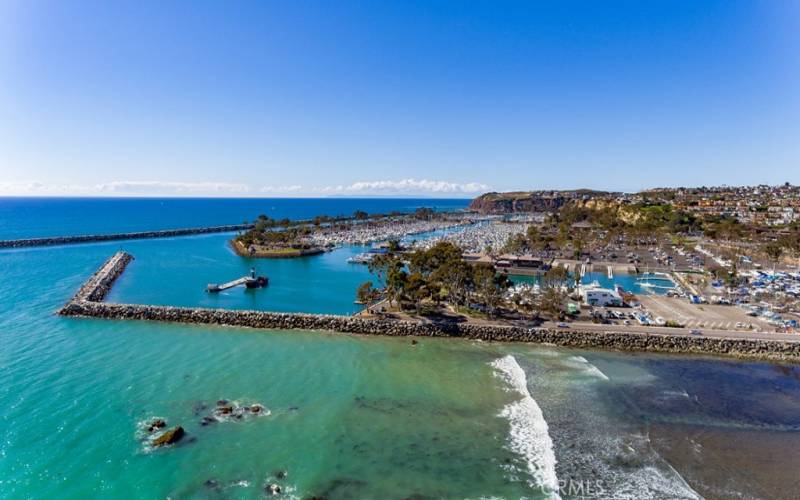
384, 98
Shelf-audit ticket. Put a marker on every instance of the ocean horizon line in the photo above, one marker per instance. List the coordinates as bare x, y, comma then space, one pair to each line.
207, 197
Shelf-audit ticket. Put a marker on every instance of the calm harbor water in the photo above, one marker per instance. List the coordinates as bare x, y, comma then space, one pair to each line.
637, 284
354, 417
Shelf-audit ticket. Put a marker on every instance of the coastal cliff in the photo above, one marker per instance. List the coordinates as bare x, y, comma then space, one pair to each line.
529, 201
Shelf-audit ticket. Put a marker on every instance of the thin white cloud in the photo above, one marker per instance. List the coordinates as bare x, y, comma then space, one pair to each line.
402, 187
125, 188
407, 186
281, 189
158, 187
36, 188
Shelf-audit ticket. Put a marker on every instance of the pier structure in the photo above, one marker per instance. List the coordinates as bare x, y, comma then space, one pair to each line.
229, 284
251, 281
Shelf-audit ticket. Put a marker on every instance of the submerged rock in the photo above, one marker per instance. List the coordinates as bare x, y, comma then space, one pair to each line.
227, 410
199, 408
343, 487
281, 474
156, 424
273, 489
208, 421
169, 437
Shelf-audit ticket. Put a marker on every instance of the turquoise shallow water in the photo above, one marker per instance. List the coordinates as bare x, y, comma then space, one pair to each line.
176, 272
351, 417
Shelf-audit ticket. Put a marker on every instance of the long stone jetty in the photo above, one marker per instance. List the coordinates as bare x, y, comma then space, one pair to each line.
99, 284
89, 238
88, 303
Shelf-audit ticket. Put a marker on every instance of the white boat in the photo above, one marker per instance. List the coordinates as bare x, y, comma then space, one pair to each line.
362, 258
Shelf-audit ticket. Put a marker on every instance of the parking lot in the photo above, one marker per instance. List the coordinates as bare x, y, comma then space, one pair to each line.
701, 316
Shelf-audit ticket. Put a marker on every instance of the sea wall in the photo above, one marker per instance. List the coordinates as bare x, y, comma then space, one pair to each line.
87, 303
742, 348
89, 238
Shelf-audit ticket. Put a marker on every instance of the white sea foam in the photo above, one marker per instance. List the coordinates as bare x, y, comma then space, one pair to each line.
588, 368
654, 483
674, 394
239, 411
529, 432
630, 469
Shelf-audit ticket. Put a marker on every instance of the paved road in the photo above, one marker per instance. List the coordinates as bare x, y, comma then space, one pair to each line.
662, 330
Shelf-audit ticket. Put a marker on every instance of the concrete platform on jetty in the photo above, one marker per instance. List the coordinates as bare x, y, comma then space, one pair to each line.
249, 281
749, 345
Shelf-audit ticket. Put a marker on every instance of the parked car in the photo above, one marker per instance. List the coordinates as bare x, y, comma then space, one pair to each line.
561, 324
695, 331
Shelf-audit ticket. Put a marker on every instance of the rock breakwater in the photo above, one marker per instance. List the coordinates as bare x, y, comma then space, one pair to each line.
89, 238
87, 303
99, 284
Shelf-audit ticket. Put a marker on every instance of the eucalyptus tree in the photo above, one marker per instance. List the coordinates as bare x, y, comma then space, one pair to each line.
415, 289
489, 287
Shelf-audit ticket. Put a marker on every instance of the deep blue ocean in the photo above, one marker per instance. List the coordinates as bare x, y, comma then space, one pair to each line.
41, 217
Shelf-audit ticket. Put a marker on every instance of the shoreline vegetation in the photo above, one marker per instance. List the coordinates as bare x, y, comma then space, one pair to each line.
265, 252
88, 302
709, 252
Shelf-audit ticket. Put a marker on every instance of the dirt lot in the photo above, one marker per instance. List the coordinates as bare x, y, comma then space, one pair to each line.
700, 316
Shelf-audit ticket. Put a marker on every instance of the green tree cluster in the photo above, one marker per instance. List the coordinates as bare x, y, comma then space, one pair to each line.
438, 275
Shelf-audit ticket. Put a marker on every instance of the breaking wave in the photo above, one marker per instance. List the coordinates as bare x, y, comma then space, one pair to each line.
529, 436
588, 368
